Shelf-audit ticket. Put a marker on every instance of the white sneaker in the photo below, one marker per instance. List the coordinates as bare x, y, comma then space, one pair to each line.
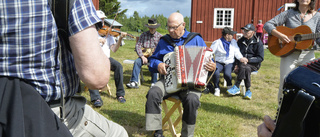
228, 87
152, 84
217, 92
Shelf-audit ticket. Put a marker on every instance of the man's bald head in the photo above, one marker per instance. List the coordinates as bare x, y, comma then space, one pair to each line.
176, 25
176, 17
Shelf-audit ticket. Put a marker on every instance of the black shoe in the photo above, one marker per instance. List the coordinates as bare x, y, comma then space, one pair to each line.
208, 89
158, 133
97, 103
121, 99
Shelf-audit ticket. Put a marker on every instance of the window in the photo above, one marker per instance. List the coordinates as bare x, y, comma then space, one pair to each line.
289, 6
223, 17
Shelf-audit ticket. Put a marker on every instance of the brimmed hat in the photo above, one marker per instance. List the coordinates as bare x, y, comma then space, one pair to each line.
249, 27
228, 30
152, 23
101, 14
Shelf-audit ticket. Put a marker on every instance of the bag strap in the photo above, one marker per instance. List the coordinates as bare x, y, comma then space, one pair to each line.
169, 40
60, 10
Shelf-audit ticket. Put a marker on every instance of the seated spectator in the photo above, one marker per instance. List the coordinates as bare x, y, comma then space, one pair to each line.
225, 50
252, 50
145, 46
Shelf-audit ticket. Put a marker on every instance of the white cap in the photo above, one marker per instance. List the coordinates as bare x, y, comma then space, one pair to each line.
101, 14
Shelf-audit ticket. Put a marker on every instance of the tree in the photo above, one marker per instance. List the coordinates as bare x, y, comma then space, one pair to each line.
111, 8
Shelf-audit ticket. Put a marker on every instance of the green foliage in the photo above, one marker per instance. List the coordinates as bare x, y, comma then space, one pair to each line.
136, 22
111, 7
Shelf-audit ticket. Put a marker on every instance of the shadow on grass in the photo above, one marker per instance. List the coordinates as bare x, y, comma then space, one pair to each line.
132, 122
215, 108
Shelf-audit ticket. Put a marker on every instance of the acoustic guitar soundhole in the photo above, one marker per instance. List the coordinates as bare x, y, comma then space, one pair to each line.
297, 37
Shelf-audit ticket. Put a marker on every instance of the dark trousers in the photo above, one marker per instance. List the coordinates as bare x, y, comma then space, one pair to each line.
24, 113
117, 68
190, 101
244, 73
259, 35
227, 69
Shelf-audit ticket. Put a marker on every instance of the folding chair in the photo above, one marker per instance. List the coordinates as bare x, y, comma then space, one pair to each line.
107, 88
167, 123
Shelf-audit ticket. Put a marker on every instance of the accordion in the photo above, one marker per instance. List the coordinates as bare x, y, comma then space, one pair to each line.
186, 68
299, 110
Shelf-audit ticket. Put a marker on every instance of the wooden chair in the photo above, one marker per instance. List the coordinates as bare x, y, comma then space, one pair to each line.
208, 43
107, 88
167, 122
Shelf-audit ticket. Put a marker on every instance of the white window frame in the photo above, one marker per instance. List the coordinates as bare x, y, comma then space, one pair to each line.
215, 17
289, 5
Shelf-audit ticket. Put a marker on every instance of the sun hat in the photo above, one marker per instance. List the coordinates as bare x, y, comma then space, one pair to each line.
152, 23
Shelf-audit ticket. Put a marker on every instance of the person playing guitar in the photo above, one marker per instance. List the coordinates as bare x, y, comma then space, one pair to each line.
303, 14
145, 46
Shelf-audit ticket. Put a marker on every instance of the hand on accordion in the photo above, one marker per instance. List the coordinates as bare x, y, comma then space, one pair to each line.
267, 127
210, 66
162, 68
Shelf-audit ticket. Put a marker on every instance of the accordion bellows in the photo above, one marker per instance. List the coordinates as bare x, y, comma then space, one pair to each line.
186, 68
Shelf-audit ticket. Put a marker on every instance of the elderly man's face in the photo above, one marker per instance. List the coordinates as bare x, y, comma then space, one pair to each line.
152, 30
247, 33
176, 29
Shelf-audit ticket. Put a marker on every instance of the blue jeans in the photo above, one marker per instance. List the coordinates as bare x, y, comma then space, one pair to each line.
227, 69
136, 71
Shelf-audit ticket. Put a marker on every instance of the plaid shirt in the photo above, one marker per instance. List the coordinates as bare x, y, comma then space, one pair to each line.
29, 44
147, 40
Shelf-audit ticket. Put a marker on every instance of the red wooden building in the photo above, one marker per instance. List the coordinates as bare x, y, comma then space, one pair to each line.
208, 17
96, 4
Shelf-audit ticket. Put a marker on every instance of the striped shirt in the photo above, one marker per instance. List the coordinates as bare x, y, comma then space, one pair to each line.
147, 40
29, 44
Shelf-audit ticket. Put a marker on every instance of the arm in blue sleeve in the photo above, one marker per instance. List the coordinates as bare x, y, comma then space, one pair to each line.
155, 60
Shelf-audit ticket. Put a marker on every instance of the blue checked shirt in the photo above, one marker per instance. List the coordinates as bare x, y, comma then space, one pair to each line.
29, 44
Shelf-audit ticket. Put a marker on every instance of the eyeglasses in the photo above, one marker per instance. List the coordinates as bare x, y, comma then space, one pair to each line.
245, 31
174, 28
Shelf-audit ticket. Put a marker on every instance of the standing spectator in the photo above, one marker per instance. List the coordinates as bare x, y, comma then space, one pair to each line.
303, 14
259, 31
252, 50
190, 98
225, 50
147, 43
108, 42
30, 59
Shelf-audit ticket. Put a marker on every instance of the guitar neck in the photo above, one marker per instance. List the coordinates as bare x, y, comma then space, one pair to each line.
310, 36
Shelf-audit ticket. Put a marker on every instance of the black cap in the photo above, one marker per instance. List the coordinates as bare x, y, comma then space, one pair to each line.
249, 27
228, 30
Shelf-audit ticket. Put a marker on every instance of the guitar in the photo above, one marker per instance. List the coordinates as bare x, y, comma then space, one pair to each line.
301, 38
147, 52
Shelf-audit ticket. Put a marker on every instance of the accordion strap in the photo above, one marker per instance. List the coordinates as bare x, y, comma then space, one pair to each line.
169, 40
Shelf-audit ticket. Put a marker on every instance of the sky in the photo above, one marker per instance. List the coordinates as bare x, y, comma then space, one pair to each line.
156, 7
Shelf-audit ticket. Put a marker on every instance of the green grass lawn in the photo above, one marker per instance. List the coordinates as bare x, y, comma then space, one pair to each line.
217, 116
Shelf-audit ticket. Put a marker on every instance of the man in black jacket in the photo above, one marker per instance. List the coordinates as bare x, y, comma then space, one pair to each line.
251, 48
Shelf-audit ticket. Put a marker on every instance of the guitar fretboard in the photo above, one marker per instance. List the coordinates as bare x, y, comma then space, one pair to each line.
310, 36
